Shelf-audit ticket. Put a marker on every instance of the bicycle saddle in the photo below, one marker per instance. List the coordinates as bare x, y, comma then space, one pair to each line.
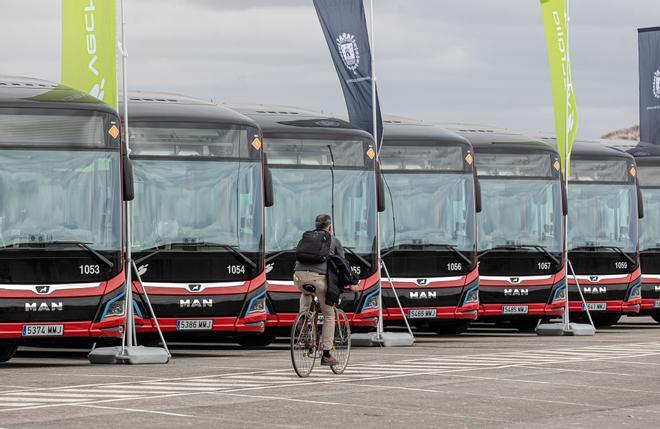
309, 288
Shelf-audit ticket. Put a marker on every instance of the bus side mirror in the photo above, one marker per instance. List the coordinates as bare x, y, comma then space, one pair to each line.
477, 193
268, 184
128, 189
564, 197
640, 202
380, 189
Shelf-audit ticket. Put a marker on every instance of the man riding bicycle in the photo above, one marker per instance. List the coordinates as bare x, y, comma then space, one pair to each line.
310, 276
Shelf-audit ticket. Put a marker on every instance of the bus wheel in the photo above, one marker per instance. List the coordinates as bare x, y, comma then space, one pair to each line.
450, 327
526, 325
7, 352
605, 320
656, 316
257, 340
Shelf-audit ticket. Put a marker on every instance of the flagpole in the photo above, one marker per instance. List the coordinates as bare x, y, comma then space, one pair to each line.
566, 161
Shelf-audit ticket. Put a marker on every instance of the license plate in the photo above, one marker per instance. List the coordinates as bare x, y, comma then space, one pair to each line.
194, 325
656, 303
514, 309
595, 306
43, 330
425, 313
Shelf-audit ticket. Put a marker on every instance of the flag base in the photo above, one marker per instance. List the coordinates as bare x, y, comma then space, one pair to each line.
560, 329
384, 339
135, 355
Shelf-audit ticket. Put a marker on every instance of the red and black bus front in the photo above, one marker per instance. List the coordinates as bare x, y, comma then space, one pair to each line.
649, 234
603, 233
198, 240
61, 273
320, 165
428, 229
520, 233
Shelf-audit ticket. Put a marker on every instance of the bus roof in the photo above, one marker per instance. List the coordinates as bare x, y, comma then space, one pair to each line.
154, 106
20, 92
583, 148
293, 120
405, 130
643, 152
486, 137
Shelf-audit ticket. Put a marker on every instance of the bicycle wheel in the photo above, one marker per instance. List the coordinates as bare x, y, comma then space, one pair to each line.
342, 341
303, 345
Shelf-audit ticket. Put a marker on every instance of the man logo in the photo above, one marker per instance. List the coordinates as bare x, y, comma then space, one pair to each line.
516, 292
514, 280
422, 282
42, 289
142, 269
593, 278
195, 287
269, 267
596, 290
656, 289
348, 49
43, 306
195, 303
423, 295
656, 84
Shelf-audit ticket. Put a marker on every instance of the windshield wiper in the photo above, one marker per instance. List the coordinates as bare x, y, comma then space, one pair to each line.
615, 248
200, 244
541, 249
281, 252
44, 244
360, 258
433, 246
650, 249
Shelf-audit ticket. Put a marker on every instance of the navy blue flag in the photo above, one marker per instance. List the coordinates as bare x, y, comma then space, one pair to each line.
345, 29
649, 85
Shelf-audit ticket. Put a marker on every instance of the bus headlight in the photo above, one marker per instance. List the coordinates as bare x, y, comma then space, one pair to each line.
258, 305
635, 292
114, 308
371, 302
472, 296
560, 294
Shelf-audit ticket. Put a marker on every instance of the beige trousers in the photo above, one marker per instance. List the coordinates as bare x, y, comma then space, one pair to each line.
301, 278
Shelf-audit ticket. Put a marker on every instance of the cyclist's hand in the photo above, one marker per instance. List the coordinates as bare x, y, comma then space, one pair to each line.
352, 288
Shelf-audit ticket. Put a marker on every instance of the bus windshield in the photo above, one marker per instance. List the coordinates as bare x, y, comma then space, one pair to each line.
602, 214
521, 198
649, 225
321, 175
198, 189
60, 196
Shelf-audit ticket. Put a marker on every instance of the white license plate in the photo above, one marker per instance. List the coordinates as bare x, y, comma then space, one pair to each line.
515, 309
656, 303
425, 313
595, 306
43, 330
194, 325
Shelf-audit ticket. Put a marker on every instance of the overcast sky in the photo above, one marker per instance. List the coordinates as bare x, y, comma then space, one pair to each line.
480, 61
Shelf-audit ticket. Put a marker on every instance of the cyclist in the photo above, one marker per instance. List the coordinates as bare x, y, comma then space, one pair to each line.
311, 269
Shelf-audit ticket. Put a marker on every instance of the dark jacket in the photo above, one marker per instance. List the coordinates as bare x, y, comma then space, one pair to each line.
338, 277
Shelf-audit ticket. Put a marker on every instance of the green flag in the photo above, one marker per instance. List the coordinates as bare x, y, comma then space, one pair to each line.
554, 21
89, 48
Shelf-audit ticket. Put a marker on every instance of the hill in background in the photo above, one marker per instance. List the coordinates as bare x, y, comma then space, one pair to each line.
631, 133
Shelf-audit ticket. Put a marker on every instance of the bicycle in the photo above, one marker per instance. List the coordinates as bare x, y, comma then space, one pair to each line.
306, 334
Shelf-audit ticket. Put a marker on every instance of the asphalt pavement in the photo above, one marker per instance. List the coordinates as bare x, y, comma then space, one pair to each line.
490, 378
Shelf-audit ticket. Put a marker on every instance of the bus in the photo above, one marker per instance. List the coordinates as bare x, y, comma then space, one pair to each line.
198, 229
603, 240
319, 164
520, 228
428, 230
63, 176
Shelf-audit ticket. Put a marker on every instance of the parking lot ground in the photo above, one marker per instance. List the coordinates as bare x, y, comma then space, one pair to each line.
488, 377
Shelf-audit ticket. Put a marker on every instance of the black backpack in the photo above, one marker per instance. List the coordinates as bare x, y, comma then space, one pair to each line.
314, 247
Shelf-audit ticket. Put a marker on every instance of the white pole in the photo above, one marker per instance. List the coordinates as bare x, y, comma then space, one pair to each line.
129, 334
566, 162
380, 327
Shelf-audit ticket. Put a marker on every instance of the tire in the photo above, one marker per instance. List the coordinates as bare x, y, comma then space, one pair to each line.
605, 320
656, 316
525, 325
451, 327
342, 342
7, 352
257, 340
303, 345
